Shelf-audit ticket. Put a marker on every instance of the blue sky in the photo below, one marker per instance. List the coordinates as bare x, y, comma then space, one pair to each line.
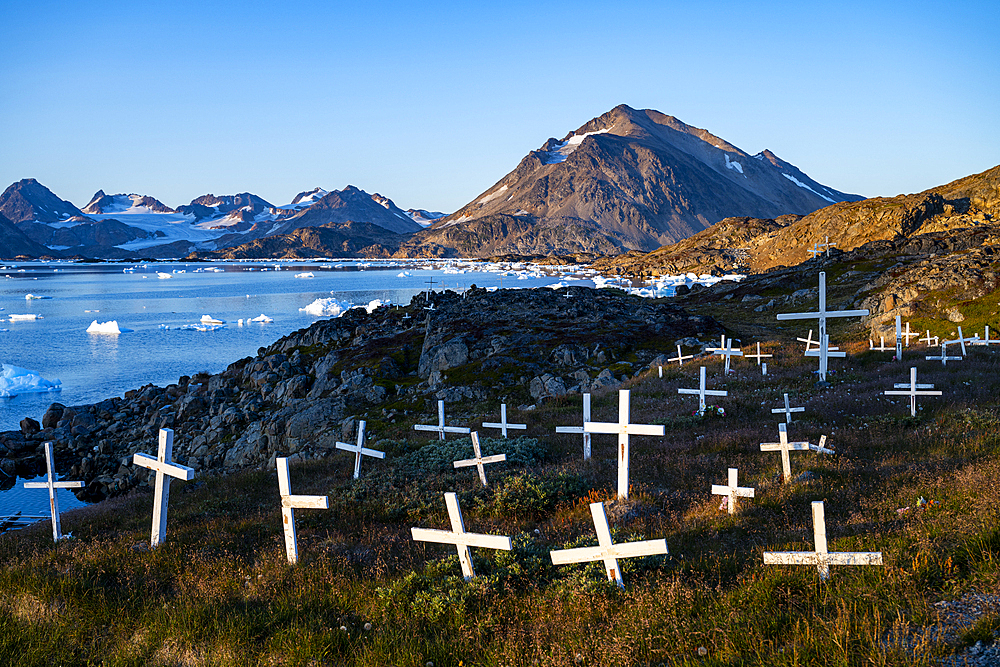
430, 103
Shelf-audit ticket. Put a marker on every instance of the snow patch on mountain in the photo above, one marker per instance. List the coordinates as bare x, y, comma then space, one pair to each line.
562, 150
422, 217
803, 185
733, 164
493, 195
306, 199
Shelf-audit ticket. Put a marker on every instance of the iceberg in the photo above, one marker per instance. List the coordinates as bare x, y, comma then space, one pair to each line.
373, 304
208, 319
162, 276
201, 327
28, 317
15, 380
263, 319
106, 328
30, 297
307, 274
327, 307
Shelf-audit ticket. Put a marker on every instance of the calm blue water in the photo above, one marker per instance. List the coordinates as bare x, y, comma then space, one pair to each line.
93, 367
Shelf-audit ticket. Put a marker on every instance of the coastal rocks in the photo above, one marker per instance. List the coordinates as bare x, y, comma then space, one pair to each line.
295, 396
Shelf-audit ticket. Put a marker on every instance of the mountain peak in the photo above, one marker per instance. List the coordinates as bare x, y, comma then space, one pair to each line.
29, 200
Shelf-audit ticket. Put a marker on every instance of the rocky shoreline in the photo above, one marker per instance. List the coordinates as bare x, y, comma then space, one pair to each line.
301, 394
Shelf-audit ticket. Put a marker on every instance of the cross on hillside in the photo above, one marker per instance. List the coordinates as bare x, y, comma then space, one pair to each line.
441, 429
608, 551
624, 429
787, 410
726, 351
758, 356
732, 490
503, 424
360, 449
822, 314
702, 392
289, 504
821, 557
913, 390
479, 459
52, 484
459, 537
165, 471
784, 447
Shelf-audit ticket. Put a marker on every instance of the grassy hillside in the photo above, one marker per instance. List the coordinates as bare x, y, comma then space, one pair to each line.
219, 592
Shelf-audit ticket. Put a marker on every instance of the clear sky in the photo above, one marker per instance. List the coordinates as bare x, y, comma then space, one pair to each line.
430, 103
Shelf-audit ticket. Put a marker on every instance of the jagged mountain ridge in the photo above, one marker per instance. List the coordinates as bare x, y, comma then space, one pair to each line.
102, 203
625, 180
29, 200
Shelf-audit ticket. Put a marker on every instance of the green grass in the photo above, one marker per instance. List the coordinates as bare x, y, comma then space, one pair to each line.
219, 591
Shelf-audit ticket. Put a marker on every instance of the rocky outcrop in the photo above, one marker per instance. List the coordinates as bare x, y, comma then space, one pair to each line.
299, 395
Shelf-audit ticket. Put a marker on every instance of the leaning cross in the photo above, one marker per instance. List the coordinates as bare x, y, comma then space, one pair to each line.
788, 410
784, 447
52, 484
503, 425
732, 490
727, 351
822, 314
360, 449
441, 429
165, 470
608, 551
679, 358
581, 429
808, 340
459, 537
702, 392
821, 558
480, 460
289, 504
913, 390
624, 429
758, 356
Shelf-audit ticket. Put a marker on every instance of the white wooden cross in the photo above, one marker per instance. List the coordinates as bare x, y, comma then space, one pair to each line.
480, 460
815, 250
808, 340
943, 357
821, 447
962, 340
726, 351
360, 449
624, 429
581, 429
822, 314
607, 550
788, 410
827, 245
289, 504
824, 353
986, 339
930, 340
913, 390
52, 484
907, 334
702, 392
784, 447
441, 429
821, 558
732, 490
679, 358
503, 425
758, 356
459, 537
165, 469
880, 348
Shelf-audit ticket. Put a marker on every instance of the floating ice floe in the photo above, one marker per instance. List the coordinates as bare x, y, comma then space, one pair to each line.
27, 317
208, 319
307, 274
30, 297
194, 327
263, 319
15, 380
106, 328
404, 274
327, 307
162, 276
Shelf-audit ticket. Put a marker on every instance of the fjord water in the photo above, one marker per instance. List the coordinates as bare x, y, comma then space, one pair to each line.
93, 367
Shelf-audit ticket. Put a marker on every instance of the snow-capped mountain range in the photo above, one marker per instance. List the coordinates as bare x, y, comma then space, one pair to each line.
121, 225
